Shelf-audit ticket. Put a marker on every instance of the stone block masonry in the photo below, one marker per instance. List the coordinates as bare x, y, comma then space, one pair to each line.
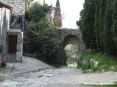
18, 6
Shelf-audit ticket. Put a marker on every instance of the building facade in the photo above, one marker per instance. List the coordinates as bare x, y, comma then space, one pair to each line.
11, 35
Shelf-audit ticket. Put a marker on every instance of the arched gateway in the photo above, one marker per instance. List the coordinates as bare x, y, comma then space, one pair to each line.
72, 42
71, 38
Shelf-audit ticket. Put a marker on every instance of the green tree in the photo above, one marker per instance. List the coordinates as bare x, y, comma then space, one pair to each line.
114, 26
28, 2
98, 24
107, 33
86, 24
37, 12
42, 37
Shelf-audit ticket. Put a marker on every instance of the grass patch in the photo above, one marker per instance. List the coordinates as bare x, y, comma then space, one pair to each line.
103, 86
74, 65
106, 63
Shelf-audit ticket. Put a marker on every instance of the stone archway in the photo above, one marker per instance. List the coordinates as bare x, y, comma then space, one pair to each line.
69, 37
71, 45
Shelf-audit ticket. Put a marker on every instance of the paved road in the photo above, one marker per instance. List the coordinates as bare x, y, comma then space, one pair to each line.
34, 73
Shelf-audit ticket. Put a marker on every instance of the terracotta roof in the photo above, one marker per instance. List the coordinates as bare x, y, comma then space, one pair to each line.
5, 5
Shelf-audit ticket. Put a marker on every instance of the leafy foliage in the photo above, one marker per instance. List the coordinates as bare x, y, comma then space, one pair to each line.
98, 25
37, 12
86, 24
114, 85
42, 37
105, 63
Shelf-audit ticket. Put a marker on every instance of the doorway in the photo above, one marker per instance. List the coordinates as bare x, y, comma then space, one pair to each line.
12, 48
72, 49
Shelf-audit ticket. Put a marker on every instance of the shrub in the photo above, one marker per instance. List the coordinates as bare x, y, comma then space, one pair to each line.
44, 40
104, 62
42, 37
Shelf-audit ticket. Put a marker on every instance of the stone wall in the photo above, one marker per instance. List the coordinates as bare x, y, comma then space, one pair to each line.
19, 47
18, 6
70, 36
18, 11
4, 25
65, 32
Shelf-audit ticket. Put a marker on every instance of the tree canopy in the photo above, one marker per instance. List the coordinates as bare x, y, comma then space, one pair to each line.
40, 36
98, 24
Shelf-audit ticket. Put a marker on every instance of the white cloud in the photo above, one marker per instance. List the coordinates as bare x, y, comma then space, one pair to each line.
70, 10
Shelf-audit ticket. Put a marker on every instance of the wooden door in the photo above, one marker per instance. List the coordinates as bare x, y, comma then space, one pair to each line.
12, 43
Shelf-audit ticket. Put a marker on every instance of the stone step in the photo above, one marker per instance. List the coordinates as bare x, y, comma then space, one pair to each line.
11, 60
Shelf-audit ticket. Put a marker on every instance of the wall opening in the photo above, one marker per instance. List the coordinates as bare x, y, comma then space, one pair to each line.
12, 47
72, 49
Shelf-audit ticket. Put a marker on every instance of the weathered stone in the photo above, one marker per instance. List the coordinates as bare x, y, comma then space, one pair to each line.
94, 63
18, 6
5, 11
80, 59
6, 32
65, 32
19, 56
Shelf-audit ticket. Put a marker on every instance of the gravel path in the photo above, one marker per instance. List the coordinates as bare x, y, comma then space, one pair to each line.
34, 73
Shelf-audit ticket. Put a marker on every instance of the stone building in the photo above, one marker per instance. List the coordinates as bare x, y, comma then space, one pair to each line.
11, 35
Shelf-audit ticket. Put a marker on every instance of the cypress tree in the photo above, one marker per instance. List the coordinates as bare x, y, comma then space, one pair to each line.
87, 23
102, 4
114, 26
98, 24
107, 34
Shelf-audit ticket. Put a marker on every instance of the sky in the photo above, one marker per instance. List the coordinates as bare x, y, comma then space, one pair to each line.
70, 10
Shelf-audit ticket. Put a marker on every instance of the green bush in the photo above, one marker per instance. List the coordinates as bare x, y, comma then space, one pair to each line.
42, 37
44, 41
112, 85
105, 63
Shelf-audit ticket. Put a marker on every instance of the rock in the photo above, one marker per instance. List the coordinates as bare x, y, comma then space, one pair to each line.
80, 59
94, 63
